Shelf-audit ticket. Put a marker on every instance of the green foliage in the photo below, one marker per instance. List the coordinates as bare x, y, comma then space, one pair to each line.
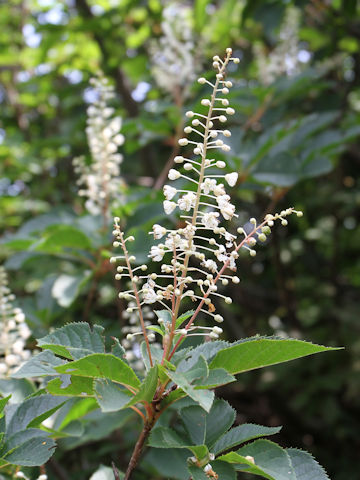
22, 442
295, 142
261, 352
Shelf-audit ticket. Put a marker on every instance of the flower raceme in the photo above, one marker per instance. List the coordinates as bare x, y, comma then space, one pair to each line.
101, 181
202, 254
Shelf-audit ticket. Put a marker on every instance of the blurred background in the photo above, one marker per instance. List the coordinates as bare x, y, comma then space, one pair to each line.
295, 142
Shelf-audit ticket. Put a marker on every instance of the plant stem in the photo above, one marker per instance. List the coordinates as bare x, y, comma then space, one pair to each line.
135, 457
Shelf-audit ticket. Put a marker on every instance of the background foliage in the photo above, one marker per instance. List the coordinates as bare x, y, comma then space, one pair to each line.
295, 142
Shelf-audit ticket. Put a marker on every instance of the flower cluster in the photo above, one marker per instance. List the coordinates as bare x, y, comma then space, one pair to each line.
200, 256
13, 330
131, 342
174, 54
101, 179
284, 58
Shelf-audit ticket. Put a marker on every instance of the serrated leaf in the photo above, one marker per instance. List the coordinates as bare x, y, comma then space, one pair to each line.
241, 434
103, 365
262, 352
74, 341
117, 349
156, 354
164, 437
184, 380
305, 466
216, 377
71, 385
208, 350
41, 364
270, 458
244, 464
33, 452
110, 396
219, 420
31, 411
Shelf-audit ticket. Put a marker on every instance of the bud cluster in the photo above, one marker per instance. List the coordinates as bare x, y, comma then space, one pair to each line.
13, 330
100, 179
200, 256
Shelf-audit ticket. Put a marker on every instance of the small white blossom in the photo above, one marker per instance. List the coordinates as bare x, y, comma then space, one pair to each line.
157, 253
158, 231
231, 178
210, 265
187, 201
210, 220
208, 185
169, 206
169, 192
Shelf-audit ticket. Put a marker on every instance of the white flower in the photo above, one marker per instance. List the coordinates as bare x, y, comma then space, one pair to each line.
210, 265
221, 254
157, 253
158, 231
231, 178
173, 174
169, 192
187, 201
149, 294
210, 220
208, 185
219, 190
226, 208
176, 241
169, 206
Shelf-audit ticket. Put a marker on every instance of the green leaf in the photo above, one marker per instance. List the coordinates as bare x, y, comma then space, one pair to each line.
271, 461
110, 396
41, 364
241, 434
102, 366
164, 437
67, 287
75, 340
3, 402
205, 428
262, 352
208, 350
185, 381
18, 388
147, 387
58, 237
31, 412
219, 420
184, 317
197, 473
71, 385
305, 466
224, 470
216, 377
31, 452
